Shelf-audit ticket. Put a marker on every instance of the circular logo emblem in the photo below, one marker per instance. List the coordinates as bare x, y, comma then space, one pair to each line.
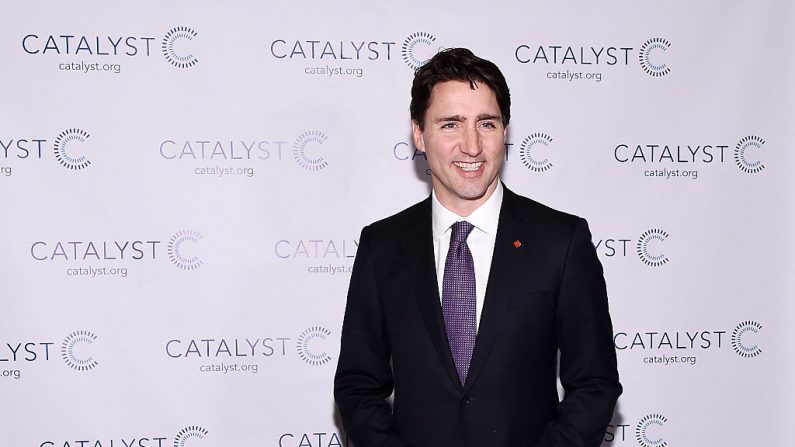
62, 141
742, 347
70, 346
412, 55
176, 247
751, 142
300, 150
528, 144
193, 431
305, 341
646, 252
644, 429
171, 43
648, 54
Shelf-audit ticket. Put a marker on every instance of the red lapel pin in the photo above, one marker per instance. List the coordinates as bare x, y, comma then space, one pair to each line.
517, 243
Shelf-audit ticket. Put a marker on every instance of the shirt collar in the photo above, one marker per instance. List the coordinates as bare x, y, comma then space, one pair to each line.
485, 218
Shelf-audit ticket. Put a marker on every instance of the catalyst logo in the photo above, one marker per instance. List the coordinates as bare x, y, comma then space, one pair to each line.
173, 44
649, 56
228, 356
649, 249
682, 348
750, 143
417, 49
88, 55
184, 437
340, 59
331, 50
230, 157
71, 347
75, 350
532, 144
307, 341
662, 161
65, 140
93, 259
177, 249
83, 45
578, 63
301, 153
316, 438
404, 151
69, 148
647, 430
191, 431
742, 346
324, 257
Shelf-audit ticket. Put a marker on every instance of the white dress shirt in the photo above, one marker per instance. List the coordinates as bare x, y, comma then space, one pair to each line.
480, 241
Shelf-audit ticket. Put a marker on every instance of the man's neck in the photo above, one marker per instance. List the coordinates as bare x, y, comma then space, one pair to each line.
465, 207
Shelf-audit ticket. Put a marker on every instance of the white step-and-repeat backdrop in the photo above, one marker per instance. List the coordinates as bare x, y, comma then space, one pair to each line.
182, 186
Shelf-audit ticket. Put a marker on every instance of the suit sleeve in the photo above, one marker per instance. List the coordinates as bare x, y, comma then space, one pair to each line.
588, 370
363, 379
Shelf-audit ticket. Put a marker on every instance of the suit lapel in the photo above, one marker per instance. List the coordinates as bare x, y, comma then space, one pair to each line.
504, 278
418, 244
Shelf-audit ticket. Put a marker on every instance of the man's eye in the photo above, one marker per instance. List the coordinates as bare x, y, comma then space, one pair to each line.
449, 125
488, 125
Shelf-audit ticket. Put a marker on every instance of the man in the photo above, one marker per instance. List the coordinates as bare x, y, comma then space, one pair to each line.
460, 303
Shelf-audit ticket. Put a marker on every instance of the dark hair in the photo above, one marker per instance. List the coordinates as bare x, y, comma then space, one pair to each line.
457, 64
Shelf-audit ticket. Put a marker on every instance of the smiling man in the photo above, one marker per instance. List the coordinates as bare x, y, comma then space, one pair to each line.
463, 304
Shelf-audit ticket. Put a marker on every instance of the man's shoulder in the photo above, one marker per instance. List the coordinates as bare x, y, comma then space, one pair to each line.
538, 211
402, 221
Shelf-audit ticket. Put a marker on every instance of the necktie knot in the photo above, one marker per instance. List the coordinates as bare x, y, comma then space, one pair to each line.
461, 230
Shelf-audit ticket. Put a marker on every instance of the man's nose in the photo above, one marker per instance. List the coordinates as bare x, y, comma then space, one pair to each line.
470, 143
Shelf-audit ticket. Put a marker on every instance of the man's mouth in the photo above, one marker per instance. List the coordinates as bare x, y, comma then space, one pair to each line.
468, 166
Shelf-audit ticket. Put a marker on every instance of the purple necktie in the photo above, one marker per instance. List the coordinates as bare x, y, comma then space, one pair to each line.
458, 298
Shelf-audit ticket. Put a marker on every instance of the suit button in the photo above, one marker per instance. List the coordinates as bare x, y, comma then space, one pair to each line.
465, 400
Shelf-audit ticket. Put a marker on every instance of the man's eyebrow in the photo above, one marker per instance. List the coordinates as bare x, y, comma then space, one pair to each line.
461, 119
456, 118
488, 116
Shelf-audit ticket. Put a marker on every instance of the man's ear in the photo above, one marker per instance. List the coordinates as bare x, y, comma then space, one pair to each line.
416, 133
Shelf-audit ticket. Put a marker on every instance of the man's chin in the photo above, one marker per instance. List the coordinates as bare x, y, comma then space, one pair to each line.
478, 192
474, 194
465, 192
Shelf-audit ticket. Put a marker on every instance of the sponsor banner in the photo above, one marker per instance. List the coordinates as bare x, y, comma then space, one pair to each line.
75, 351
573, 63
114, 258
245, 157
326, 257
335, 58
191, 435
678, 161
648, 430
649, 246
95, 53
234, 355
663, 347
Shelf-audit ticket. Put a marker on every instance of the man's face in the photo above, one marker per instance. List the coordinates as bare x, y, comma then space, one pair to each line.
464, 140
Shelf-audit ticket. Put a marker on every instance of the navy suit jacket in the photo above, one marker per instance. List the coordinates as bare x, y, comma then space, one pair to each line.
546, 293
